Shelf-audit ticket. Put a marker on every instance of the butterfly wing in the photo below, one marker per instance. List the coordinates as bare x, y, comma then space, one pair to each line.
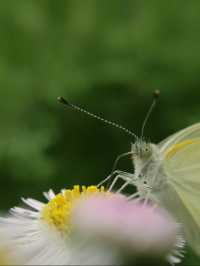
190, 213
174, 202
181, 152
184, 134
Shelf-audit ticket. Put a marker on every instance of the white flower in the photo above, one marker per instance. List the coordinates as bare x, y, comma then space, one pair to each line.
42, 232
137, 228
89, 226
8, 252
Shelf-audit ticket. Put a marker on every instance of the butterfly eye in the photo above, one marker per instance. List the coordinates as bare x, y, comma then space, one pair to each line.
147, 151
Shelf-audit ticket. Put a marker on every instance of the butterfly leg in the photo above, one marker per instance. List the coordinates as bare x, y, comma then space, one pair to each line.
114, 167
135, 195
146, 200
116, 172
139, 197
130, 179
127, 177
119, 158
149, 199
107, 178
104, 180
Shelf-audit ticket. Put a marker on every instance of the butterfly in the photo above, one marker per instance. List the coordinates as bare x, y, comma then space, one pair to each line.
167, 174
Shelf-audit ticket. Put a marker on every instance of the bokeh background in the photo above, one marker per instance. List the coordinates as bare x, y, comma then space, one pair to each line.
106, 56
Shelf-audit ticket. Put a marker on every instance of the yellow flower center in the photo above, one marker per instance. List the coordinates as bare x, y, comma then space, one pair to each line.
57, 212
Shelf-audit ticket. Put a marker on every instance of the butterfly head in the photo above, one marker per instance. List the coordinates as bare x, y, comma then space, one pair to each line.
142, 149
145, 157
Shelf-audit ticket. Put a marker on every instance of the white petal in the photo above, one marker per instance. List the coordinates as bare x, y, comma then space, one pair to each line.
49, 195
35, 204
24, 212
173, 260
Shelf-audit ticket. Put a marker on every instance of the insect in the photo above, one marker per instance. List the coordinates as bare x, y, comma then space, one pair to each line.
167, 174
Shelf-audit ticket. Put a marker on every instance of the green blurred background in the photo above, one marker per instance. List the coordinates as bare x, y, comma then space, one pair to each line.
106, 56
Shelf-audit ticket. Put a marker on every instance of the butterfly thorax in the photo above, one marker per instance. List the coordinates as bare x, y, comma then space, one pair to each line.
148, 165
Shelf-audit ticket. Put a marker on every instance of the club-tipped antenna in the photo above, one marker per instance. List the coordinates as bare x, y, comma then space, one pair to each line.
156, 94
105, 121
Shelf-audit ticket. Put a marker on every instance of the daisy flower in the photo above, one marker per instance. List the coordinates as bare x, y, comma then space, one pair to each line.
90, 226
8, 252
136, 228
42, 232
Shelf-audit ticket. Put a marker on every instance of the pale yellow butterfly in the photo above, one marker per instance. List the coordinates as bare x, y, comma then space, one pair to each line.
167, 174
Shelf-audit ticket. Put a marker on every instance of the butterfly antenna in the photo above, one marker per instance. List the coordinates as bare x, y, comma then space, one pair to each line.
156, 94
105, 121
